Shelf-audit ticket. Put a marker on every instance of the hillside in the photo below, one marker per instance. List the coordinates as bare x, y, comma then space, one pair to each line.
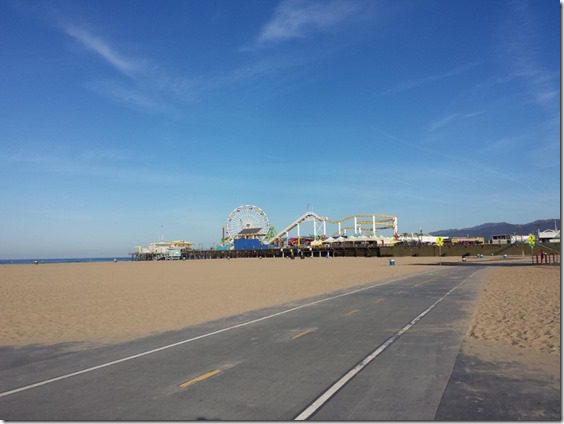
491, 228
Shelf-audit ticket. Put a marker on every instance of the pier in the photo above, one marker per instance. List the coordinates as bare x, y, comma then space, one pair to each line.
368, 250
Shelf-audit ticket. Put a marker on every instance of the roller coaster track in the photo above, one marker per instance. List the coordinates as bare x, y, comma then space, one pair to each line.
308, 216
373, 221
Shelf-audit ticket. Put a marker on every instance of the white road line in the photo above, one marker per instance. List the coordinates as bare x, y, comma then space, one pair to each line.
223, 330
321, 400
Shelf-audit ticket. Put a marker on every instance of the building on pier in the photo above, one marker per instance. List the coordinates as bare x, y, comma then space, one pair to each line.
164, 249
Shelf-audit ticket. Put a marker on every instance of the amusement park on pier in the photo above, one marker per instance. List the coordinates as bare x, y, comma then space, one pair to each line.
248, 232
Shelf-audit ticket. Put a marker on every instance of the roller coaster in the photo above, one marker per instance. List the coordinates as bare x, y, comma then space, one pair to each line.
358, 224
250, 219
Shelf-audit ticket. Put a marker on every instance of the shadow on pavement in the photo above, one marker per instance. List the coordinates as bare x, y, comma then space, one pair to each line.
15, 356
481, 390
487, 264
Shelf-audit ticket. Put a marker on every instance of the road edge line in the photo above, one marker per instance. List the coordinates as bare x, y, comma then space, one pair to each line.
340, 383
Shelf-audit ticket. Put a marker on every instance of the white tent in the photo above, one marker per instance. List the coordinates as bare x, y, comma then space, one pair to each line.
377, 239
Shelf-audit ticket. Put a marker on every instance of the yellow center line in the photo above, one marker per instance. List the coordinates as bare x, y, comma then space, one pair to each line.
354, 311
301, 334
422, 282
202, 377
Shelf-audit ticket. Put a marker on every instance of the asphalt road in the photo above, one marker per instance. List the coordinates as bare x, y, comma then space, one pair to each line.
279, 363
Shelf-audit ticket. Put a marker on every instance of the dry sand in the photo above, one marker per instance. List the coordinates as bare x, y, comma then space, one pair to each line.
112, 302
520, 306
514, 344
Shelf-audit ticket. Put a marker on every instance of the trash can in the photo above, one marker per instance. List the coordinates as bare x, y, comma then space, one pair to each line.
392, 262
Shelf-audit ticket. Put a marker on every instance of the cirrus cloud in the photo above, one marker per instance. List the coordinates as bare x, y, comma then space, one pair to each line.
103, 49
299, 18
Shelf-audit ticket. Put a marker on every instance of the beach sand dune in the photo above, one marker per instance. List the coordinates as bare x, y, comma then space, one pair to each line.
112, 302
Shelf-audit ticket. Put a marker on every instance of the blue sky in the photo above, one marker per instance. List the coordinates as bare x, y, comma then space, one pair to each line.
124, 120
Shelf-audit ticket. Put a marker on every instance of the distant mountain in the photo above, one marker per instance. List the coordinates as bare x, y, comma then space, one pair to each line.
489, 229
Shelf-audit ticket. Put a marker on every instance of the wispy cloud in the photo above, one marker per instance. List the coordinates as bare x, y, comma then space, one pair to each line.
505, 144
92, 163
146, 87
519, 46
478, 166
104, 50
114, 166
301, 18
452, 117
408, 85
140, 99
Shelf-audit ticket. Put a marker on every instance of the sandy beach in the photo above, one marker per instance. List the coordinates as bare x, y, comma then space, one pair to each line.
99, 303
112, 302
512, 346
520, 306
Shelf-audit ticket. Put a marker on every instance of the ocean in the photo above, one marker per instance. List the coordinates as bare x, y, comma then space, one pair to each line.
62, 260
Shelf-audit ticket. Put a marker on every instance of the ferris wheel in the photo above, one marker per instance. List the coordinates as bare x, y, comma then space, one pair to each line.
244, 217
